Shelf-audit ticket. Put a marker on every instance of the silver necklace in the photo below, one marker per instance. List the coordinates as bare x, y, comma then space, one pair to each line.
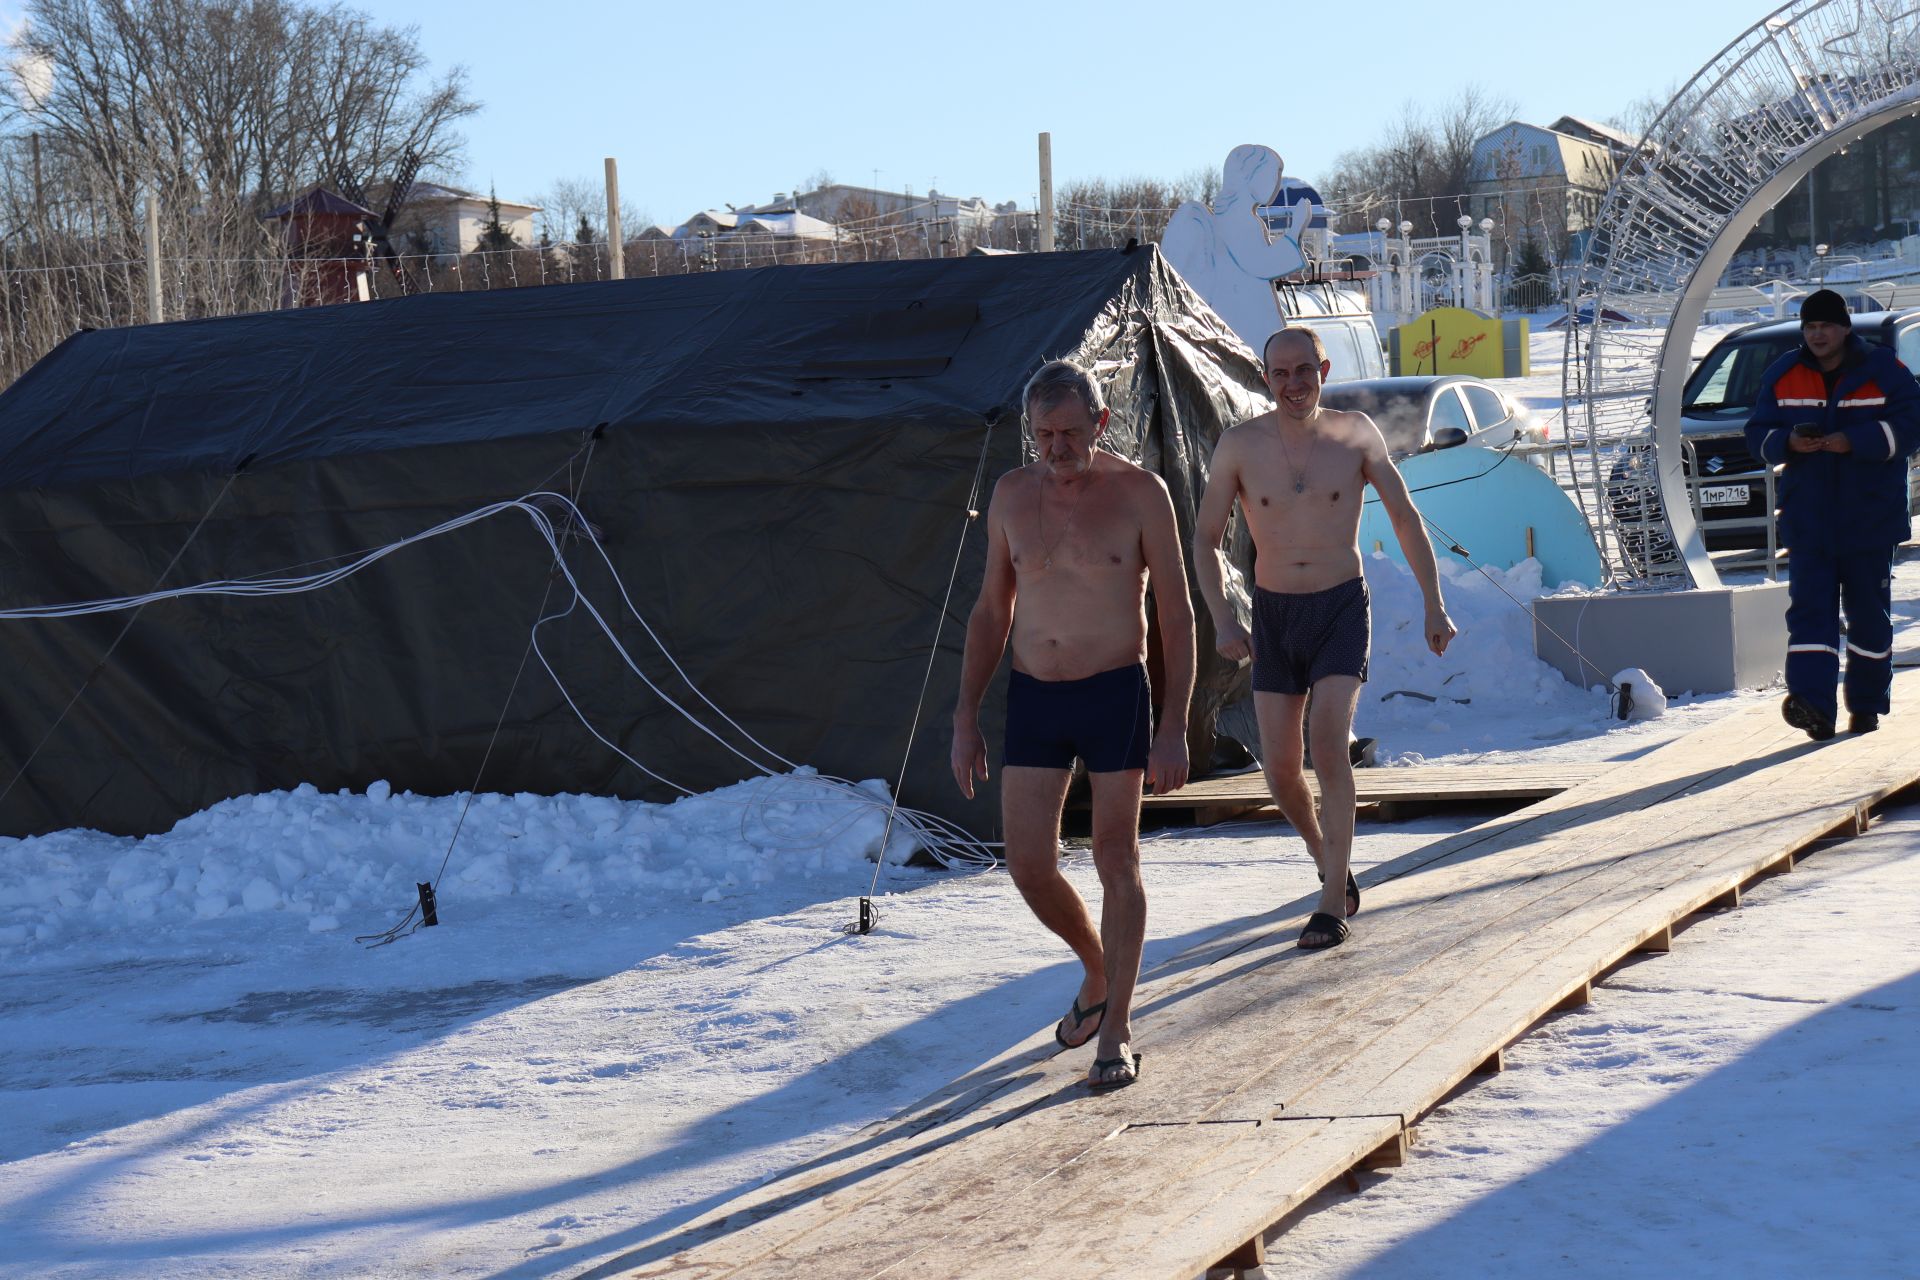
1040, 509
1299, 473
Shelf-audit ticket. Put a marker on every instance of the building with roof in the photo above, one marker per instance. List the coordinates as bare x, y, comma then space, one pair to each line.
443, 221
1621, 143
1543, 183
847, 205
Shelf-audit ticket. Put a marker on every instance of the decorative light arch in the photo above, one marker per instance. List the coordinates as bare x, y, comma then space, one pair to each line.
1793, 89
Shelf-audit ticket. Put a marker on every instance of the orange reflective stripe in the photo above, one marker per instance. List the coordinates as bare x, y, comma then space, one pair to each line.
1800, 387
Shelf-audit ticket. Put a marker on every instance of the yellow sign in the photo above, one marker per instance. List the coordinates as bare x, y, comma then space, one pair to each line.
1456, 340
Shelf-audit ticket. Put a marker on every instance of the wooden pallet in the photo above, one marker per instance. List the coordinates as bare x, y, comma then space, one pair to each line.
1271, 1072
1217, 799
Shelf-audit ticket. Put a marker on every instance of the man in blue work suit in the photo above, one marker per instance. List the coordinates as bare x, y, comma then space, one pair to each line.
1842, 414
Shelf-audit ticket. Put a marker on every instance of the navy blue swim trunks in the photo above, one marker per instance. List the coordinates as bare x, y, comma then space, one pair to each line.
1105, 720
1297, 639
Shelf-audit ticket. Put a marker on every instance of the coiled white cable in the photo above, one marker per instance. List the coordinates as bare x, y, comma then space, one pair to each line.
948, 843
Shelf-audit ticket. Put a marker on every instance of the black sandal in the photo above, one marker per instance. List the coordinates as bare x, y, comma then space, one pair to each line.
1102, 1065
1353, 892
1327, 926
1079, 1016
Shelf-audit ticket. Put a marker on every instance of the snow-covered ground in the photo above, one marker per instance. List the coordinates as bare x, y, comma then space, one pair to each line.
633, 1013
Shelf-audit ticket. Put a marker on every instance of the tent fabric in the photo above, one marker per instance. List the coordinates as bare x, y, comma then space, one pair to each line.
779, 461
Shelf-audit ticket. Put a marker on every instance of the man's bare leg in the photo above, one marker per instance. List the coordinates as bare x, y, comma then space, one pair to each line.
1030, 803
1328, 726
1123, 905
1282, 756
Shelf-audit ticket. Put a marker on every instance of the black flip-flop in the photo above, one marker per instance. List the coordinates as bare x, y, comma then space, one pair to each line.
1328, 926
1079, 1016
1101, 1065
1353, 892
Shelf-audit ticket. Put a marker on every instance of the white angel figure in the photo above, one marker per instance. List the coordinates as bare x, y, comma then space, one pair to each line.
1227, 254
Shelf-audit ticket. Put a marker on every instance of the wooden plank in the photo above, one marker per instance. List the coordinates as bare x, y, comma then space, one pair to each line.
1659, 942
1417, 1041
1251, 1253
1158, 1182
1239, 1040
1462, 945
1253, 1194
872, 1221
1329, 1034
1386, 785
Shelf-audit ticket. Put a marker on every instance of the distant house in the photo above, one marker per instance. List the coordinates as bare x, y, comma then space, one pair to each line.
444, 221
844, 203
708, 222
836, 212
786, 222
745, 235
1544, 183
1620, 143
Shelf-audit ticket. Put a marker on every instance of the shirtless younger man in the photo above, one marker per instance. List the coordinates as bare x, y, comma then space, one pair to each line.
1071, 542
1298, 473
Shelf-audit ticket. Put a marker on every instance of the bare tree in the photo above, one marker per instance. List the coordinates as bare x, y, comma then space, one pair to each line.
230, 104
226, 108
1638, 116
569, 202
1421, 168
1099, 212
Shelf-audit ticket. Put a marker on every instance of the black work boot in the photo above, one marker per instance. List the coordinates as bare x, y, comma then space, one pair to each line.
1799, 713
1862, 722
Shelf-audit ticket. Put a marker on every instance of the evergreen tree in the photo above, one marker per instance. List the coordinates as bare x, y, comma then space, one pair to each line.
1532, 277
493, 232
1531, 260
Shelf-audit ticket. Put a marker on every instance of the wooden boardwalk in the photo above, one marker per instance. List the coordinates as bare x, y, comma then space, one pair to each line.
1217, 799
1271, 1072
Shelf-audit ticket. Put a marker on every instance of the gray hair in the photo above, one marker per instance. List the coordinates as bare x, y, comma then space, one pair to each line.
1054, 381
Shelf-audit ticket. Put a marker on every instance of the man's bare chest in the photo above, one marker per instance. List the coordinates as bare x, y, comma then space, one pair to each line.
1089, 535
1321, 475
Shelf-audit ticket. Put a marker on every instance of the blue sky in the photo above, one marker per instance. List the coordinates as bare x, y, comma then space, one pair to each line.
732, 102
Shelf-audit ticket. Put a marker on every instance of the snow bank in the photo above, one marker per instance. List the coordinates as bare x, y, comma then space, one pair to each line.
315, 858
1488, 687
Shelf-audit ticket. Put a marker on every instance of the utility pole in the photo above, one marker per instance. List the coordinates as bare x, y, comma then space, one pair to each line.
1046, 193
154, 310
616, 243
39, 198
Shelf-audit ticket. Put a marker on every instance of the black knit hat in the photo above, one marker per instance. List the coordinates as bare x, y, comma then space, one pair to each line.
1825, 305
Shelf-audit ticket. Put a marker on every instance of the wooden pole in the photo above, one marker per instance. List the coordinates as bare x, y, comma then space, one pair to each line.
616, 243
39, 195
155, 314
1046, 193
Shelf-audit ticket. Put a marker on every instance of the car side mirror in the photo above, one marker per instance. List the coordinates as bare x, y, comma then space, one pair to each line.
1449, 438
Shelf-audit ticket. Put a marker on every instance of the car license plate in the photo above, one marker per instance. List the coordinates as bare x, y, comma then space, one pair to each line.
1723, 495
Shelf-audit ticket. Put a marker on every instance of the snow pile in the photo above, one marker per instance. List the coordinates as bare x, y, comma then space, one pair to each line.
1640, 696
1489, 677
315, 858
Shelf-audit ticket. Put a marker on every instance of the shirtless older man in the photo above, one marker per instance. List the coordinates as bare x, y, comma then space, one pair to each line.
1072, 541
1298, 473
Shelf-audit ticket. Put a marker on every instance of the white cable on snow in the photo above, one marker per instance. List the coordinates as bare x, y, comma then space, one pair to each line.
947, 842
